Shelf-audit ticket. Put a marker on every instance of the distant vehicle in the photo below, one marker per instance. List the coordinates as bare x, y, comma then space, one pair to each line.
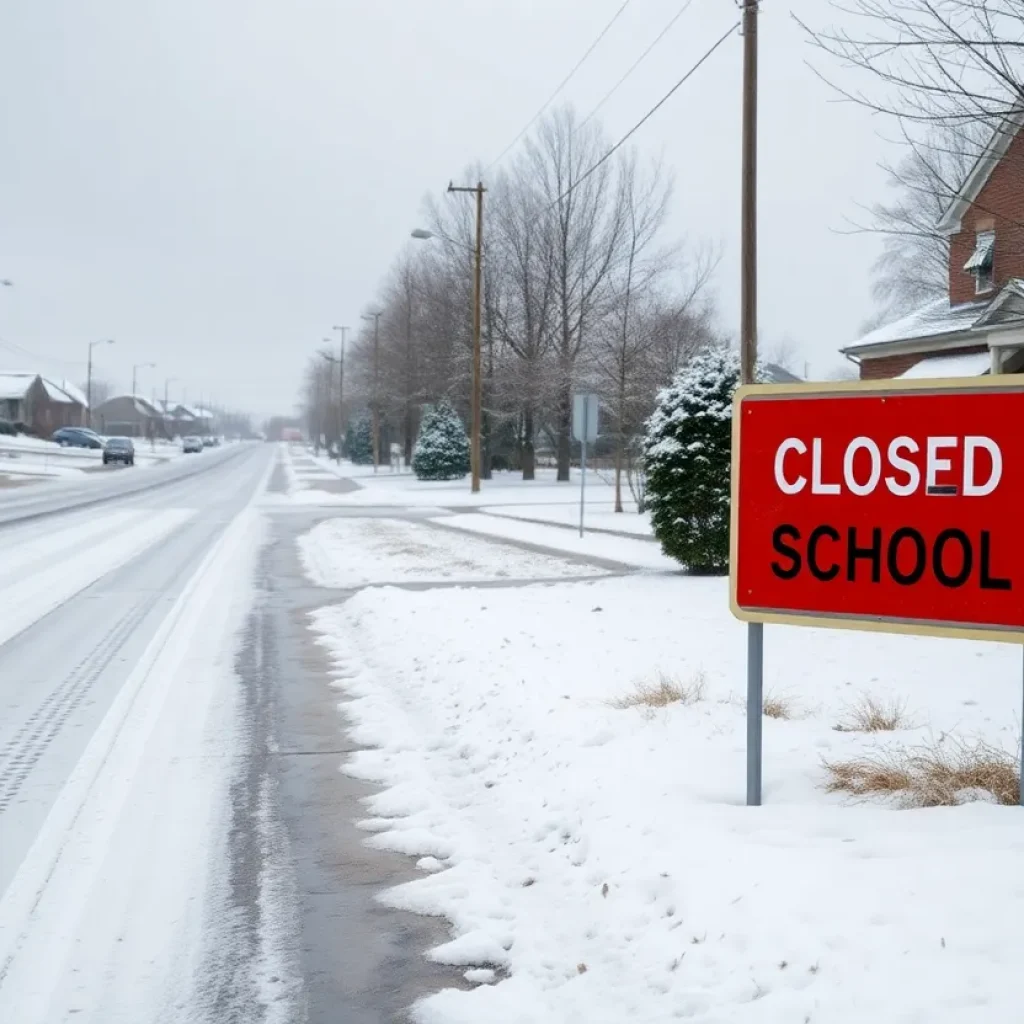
208, 442
191, 444
119, 449
77, 437
214, 442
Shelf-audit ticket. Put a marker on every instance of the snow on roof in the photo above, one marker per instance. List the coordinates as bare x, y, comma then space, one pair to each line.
936, 318
55, 393
15, 385
972, 364
776, 374
74, 392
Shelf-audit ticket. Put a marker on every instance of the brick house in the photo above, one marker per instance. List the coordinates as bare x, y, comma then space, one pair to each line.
978, 326
129, 416
40, 403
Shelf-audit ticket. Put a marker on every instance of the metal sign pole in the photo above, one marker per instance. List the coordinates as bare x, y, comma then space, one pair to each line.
583, 460
755, 710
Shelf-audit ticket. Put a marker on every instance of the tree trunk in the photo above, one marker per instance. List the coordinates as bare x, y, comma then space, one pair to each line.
564, 427
618, 473
408, 434
528, 461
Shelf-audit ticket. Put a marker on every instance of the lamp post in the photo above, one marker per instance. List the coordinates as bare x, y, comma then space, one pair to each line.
341, 385
375, 400
476, 400
88, 375
135, 373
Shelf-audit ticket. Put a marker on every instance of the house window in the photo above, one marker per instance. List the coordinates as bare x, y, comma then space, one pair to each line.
981, 262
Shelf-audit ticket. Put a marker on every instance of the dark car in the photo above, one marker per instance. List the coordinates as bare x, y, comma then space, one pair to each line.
77, 437
119, 449
7, 428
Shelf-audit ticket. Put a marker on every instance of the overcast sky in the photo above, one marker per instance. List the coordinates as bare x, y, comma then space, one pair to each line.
215, 183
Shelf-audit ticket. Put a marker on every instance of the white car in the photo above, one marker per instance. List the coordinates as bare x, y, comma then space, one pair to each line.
191, 444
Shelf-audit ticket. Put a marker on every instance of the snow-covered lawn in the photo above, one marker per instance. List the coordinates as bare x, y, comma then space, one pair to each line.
600, 862
627, 550
598, 516
355, 552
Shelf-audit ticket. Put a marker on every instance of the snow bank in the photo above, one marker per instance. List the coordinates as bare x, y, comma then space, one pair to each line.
600, 861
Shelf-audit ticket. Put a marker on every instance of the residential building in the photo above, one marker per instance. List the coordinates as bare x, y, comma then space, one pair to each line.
978, 325
129, 416
41, 404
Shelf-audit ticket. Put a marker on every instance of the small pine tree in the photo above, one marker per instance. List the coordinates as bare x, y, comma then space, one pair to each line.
687, 458
359, 442
442, 448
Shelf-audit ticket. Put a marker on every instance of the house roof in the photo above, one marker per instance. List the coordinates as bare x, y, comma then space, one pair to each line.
995, 149
938, 322
779, 374
933, 320
16, 385
143, 406
963, 364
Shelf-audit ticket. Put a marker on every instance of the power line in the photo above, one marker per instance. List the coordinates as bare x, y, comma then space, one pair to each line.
650, 113
565, 81
10, 346
643, 56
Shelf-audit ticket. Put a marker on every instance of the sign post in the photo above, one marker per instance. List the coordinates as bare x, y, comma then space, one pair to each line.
878, 505
584, 429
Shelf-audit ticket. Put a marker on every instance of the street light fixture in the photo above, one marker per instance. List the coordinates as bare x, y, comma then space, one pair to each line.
375, 402
476, 400
88, 379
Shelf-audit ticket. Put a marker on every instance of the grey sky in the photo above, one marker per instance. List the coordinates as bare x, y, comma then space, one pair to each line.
215, 183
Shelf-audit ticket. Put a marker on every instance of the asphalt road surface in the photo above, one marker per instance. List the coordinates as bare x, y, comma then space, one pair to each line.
176, 841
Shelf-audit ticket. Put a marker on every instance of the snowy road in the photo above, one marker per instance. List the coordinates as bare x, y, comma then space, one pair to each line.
118, 735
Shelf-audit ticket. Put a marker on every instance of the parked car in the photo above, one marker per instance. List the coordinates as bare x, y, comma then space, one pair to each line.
77, 437
119, 449
191, 444
207, 442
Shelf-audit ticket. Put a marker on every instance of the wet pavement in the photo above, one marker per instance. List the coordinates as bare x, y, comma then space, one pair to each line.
347, 957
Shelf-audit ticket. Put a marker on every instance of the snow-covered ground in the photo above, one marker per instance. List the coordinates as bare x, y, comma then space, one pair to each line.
357, 552
597, 862
24, 457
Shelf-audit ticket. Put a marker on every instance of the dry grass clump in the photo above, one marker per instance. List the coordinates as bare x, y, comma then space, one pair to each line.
778, 705
664, 691
871, 715
941, 774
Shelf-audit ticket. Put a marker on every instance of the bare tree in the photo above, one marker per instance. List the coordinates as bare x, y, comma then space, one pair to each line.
584, 225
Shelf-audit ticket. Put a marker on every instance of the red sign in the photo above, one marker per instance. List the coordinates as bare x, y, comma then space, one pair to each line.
881, 505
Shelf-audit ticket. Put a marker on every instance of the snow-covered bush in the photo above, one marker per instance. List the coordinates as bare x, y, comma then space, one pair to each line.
442, 448
686, 455
359, 442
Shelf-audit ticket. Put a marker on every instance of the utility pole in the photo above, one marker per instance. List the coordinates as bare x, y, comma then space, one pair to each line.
341, 387
88, 377
748, 368
476, 402
375, 401
748, 241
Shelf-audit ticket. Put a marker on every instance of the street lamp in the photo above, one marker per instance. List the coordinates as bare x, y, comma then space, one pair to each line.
375, 403
476, 401
341, 385
135, 373
88, 378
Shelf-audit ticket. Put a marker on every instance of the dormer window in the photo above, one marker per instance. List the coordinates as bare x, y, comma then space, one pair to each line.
980, 263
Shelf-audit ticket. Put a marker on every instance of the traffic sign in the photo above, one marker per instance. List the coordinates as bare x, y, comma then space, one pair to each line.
584, 417
892, 505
